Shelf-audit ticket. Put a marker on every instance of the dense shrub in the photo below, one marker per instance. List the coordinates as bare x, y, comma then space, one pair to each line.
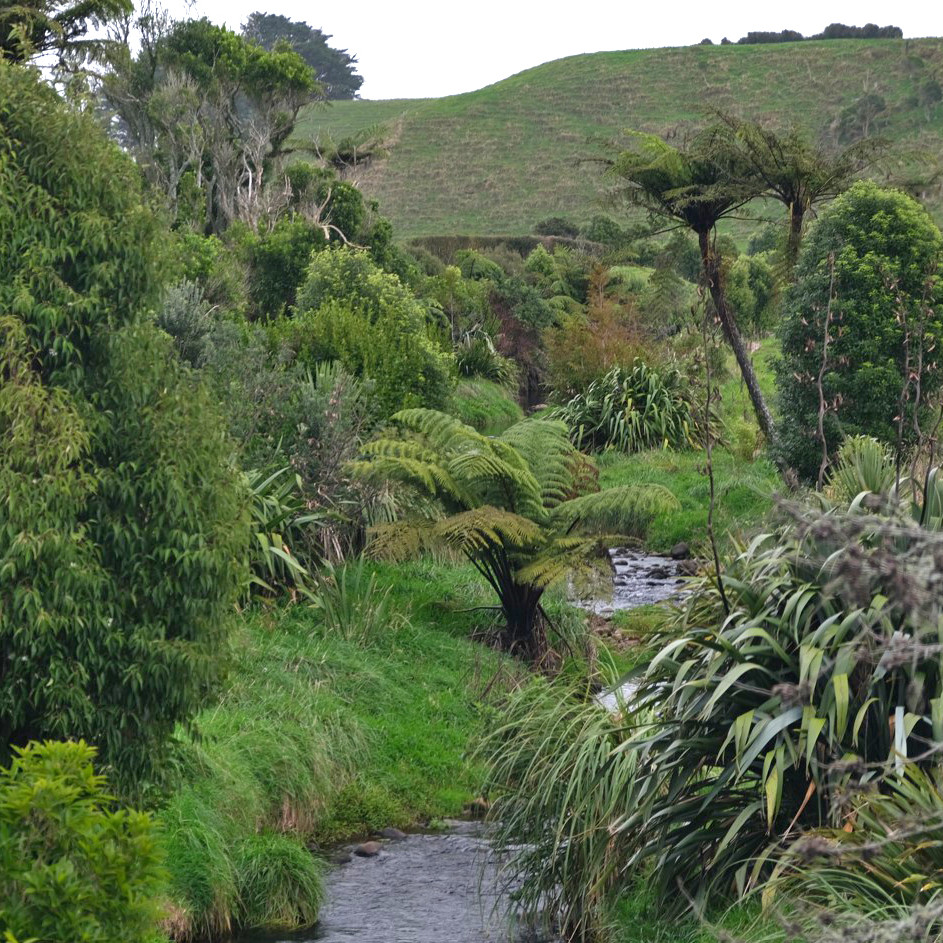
278, 260
887, 253
630, 410
122, 532
350, 311
584, 346
775, 715
72, 866
557, 226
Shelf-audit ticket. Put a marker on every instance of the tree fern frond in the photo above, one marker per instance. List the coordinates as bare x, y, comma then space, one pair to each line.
559, 560
483, 528
545, 446
627, 510
401, 540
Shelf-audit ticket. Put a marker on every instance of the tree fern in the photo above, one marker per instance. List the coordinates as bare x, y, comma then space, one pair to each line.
511, 505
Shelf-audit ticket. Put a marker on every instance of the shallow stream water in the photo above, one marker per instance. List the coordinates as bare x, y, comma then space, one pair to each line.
422, 889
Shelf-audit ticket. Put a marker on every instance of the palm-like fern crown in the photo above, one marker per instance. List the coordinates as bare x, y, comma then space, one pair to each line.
510, 494
527, 471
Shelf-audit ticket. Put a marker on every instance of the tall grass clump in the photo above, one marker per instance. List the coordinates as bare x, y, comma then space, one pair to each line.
271, 756
559, 781
630, 410
351, 603
485, 406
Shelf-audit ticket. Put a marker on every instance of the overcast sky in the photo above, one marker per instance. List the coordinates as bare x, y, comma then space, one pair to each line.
422, 48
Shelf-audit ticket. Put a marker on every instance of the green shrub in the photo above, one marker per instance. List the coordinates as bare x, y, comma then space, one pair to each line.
630, 410
773, 716
123, 527
350, 311
72, 865
887, 254
278, 259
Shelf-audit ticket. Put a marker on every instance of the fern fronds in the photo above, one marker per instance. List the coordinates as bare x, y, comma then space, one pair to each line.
627, 510
486, 528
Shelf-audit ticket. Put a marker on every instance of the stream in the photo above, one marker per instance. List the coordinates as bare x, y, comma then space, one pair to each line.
426, 888
440, 888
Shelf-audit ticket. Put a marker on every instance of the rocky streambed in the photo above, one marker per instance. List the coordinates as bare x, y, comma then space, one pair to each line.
640, 579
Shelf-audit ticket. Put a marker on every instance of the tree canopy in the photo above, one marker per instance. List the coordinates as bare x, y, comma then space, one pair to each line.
335, 69
122, 534
35, 27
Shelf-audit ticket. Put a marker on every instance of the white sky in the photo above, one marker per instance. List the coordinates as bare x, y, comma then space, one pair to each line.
423, 48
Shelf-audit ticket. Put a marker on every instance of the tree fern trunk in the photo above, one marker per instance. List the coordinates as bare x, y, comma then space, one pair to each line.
715, 283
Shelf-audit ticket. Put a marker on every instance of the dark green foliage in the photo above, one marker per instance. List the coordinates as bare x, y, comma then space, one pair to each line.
122, 529
606, 230
557, 226
631, 410
351, 311
30, 29
887, 254
278, 260
335, 69
72, 865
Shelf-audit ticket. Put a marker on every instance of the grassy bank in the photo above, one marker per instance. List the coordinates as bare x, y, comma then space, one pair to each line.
743, 492
319, 738
501, 158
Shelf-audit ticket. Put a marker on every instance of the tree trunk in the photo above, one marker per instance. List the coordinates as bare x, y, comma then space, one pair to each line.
796, 218
525, 634
714, 277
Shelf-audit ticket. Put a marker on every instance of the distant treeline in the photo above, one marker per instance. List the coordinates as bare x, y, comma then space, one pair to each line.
834, 31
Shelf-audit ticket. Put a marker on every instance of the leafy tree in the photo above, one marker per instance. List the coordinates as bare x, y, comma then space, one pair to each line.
72, 866
858, 120
887, 254
350, 311
36, 27
697, 185
335, 69
506, 503
121, 526
204, 110
797, 173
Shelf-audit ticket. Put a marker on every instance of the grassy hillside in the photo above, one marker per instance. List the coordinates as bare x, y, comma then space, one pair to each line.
502, 158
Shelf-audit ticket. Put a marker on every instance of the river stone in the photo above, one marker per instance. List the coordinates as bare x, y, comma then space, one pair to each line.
688, 567
680, 551
392, 834
341, 856
369, 849
478, 808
